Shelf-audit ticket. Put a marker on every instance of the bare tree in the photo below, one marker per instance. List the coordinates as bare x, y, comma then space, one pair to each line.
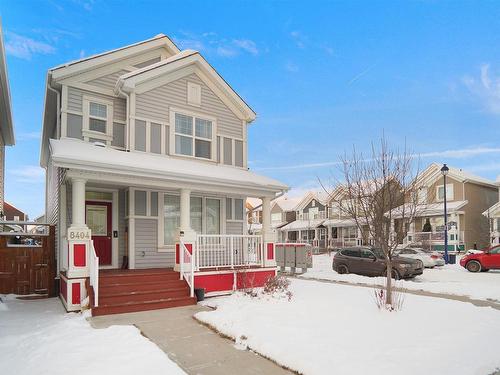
379, 192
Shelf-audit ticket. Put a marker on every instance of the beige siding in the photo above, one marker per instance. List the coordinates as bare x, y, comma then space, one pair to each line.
155, 105
234, 227
146, 244
108, 81
75, 102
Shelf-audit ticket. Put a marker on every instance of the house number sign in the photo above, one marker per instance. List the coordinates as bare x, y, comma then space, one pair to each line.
81, 234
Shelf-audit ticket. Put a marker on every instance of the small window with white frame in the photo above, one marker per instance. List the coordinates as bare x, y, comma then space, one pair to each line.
97, 119
449, 192
193, 136
234, 209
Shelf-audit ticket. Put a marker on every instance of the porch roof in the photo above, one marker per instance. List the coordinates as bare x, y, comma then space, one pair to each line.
340, 223
73, 153
432, 209
303, 224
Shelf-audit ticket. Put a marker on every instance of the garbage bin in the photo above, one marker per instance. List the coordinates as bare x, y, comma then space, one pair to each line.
200, 294
452, 258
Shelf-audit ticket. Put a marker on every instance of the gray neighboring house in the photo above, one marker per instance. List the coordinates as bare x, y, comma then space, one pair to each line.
6, 123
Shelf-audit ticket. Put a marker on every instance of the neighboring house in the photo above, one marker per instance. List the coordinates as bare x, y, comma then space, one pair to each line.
12, 213
311, 213
253, 211
145, 149
468, 197
493, 216
6, 123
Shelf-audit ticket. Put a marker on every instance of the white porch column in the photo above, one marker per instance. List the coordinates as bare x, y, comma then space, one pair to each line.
78, 236
267, 235
78, 203
185, 231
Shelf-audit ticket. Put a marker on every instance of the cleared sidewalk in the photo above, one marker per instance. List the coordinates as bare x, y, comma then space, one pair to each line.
194, 347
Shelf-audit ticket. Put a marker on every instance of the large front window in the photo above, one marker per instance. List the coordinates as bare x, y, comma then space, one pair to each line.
205, 216
193, 136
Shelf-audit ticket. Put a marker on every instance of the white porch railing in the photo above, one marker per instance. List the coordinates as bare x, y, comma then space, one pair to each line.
434, 238
219, 250
343, 242
187, 263
94, 273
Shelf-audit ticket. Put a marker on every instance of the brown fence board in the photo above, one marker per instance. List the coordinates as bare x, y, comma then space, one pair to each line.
28, 270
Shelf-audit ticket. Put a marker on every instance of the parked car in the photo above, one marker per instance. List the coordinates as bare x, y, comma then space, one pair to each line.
429, 259
484, 261
371, 262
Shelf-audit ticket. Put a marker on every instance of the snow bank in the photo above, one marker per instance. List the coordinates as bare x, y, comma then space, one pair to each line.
337, 329
39, 337
449, 279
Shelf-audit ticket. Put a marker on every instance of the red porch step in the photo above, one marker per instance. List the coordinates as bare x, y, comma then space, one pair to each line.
122, 291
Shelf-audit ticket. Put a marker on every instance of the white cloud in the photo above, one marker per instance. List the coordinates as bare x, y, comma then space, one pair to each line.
291, 67
463, 153
246, 45
28, 136
24, 47
30, 174
211, 43
486, 88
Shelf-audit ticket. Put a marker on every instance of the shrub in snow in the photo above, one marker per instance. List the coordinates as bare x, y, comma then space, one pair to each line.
278, 286
397, 299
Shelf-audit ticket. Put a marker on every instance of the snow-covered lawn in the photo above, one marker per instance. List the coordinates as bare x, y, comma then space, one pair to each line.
449, 279
337, 329
39, 337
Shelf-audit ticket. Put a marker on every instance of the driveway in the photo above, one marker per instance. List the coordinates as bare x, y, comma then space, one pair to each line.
194, 347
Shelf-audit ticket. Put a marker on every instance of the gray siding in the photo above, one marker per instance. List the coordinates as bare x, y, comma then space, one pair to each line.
108, 81
155, 104
75, 102
234, 227
146, 244
320, 206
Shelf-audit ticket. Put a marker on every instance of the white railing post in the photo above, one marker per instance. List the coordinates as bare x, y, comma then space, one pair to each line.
231, 249
181, 258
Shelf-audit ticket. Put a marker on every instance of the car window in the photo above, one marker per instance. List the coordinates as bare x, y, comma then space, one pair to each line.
367, 254
351, 253
495, 250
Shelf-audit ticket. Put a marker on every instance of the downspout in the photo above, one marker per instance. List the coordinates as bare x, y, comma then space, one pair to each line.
127, 120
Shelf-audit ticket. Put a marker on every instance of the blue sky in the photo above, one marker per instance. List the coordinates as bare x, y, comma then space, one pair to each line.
322, 76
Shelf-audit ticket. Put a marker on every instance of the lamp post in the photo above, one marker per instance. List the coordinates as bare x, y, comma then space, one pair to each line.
444, 172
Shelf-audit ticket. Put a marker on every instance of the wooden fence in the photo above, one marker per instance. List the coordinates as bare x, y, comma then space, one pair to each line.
27, 261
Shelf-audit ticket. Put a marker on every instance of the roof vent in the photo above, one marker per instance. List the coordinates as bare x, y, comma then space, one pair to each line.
99, 144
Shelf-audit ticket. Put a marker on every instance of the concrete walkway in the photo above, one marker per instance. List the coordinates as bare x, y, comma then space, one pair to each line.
475, 302
194, 347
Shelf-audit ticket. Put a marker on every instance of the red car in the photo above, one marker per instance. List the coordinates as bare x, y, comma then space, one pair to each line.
489, 259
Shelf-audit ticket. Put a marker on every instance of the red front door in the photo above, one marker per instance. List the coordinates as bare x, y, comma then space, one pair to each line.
98, 219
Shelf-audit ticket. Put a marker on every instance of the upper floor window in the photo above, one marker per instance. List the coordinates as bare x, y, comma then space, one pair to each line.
193, 136
97, 119
449, 192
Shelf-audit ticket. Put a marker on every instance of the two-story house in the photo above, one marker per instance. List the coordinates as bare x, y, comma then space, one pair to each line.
493, 216
467, 196
145, 151
6, 123
310, 213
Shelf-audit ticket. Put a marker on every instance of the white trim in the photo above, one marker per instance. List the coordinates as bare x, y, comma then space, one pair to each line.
64, 109
131, 230
450, 194
213, 143
86, 131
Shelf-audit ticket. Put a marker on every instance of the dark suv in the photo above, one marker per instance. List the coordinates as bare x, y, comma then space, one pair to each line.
371, 262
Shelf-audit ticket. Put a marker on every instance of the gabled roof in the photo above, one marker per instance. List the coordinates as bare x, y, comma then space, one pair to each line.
287, 203
91, 62
6, 122
493, 211
433, 172
320, 196
129, 81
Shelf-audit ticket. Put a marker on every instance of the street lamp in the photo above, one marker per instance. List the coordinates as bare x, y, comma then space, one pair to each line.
444, 172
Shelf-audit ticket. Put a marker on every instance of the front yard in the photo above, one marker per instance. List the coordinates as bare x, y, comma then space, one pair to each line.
337, 329
449, 279
39, 337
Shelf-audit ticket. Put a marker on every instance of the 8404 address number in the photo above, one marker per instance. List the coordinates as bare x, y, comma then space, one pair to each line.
78, 234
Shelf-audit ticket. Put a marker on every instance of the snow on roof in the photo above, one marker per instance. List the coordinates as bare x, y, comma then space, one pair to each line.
340, 223
288, 203
431, 209
303, 224
73, 153
433, 171
254, 202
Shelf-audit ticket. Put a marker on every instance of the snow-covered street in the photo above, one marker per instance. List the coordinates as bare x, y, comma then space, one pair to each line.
39, 337
337, 329
449, 279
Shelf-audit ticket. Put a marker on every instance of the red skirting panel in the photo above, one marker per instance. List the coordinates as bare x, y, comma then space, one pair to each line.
79, 256
253, 279
270, 251
224, 281
75, 295
214, 283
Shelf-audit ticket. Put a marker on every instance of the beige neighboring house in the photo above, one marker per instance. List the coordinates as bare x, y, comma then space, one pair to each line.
493, 215
468, 196
6, 123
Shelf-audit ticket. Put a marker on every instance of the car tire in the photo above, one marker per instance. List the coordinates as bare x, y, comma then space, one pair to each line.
342, 269
473, 266
395, 274
484, 270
